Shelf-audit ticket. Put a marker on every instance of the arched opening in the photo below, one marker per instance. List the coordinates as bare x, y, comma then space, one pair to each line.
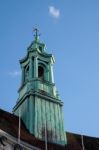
40, 72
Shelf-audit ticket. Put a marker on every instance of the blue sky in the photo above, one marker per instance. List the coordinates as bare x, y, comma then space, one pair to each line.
70, 30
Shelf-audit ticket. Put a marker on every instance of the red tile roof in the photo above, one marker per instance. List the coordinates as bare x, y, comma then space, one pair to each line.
9, 124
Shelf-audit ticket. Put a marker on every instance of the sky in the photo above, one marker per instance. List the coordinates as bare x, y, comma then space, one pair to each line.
70, 30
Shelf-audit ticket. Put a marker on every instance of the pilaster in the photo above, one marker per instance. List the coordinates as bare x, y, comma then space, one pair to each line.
31, 68
23, 75
35, 67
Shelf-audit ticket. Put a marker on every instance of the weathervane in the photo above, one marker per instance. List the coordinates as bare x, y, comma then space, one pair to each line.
36, 35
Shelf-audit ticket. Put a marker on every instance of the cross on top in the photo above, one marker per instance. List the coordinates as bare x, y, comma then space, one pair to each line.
36, 33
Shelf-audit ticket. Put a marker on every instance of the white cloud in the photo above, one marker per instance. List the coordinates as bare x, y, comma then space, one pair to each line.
15, 73
54, 12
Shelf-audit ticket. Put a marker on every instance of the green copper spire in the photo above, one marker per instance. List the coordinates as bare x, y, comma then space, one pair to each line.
39, 100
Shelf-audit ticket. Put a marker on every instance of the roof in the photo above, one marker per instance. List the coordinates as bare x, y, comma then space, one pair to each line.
9, 123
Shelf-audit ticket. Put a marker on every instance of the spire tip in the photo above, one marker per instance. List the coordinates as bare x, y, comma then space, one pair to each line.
36, 34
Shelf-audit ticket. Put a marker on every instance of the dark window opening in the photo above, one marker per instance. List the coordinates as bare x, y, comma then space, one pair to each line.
40, 48
40, 72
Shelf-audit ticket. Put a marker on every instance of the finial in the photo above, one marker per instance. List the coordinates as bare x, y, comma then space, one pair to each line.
36, 35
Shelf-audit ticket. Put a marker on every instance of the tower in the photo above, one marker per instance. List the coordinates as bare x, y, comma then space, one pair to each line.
39, 103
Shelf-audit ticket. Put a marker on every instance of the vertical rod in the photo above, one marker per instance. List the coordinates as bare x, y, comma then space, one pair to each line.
45, 135
19, 128
82, 141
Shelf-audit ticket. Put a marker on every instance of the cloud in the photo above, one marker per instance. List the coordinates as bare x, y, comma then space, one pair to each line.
54, 12
14, 73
